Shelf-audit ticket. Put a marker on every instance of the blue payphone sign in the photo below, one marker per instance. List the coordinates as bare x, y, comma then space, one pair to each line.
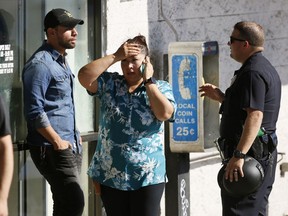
185, 89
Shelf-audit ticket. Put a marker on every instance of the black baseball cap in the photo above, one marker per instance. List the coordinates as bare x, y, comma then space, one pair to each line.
61, 17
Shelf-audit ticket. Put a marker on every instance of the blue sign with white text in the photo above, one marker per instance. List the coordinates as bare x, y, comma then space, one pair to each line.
185, 89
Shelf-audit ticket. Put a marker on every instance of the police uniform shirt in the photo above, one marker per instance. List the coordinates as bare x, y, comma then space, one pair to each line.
257, 85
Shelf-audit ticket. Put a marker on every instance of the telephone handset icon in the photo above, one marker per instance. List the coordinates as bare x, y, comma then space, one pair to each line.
184, 91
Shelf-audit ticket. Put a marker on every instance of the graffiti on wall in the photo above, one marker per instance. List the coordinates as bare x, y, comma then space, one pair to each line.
184, 200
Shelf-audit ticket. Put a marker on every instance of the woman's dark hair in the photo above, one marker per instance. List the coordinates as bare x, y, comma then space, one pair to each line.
141, 40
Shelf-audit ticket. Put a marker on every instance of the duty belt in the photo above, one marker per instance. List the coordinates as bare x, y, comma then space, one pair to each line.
263, 145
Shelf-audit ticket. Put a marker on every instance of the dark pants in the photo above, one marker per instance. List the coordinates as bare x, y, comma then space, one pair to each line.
61, 169
255, 204
142, 202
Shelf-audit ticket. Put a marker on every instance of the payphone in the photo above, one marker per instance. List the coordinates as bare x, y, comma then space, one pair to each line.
196, 119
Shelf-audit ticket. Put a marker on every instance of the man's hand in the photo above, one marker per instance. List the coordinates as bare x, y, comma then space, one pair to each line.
62, 145
234, 169
211, 91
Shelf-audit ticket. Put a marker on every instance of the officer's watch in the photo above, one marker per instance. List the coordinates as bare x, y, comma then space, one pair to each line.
238, 154
150, 80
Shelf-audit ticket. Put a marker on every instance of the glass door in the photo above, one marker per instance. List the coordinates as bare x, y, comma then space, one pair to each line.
11, 60
21, 33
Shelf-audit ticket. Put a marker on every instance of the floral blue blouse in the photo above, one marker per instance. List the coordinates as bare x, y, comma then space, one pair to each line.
130, 149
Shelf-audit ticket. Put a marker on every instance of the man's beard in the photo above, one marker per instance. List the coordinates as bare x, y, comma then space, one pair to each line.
67, 44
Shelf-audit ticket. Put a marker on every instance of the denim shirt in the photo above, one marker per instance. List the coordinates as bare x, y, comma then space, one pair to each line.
48, 97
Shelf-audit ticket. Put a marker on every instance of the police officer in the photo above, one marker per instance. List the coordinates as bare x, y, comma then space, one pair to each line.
249, 112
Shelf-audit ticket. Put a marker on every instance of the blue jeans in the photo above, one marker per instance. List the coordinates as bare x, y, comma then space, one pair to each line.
61, 169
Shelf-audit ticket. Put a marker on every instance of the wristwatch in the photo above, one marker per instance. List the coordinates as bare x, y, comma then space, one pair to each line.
238, 154
150, 80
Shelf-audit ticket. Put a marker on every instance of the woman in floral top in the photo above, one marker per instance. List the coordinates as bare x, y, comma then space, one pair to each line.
129, 161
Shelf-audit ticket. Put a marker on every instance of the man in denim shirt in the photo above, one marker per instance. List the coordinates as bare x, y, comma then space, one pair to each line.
50, 114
